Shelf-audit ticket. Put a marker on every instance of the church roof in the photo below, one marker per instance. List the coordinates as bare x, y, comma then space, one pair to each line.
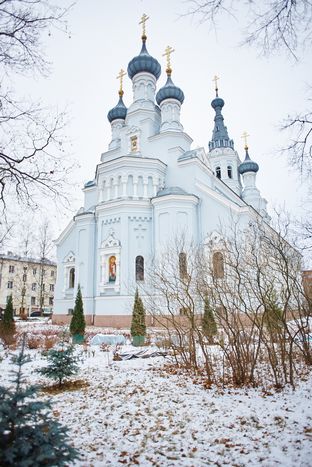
172, 190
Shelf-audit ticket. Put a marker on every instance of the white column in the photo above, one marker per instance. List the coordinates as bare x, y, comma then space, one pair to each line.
145, 183
124, 180
135, 187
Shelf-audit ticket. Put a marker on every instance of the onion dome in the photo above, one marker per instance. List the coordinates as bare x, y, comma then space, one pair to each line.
119, 111
169, 91
248, 165
144, 62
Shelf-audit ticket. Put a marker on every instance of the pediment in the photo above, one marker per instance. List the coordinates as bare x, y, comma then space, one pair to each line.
110, 241
69, 258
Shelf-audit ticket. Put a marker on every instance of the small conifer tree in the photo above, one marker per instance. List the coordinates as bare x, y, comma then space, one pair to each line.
78, 322
7, 325
138, 326
209, 324
273, 315
29, 436
62, 363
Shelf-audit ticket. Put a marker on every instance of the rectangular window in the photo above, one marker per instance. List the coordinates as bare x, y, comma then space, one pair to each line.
25, 269
51, 287
33, 301
10, 285
43, 272
34, 271
34, 286
52, 273
70, 311
43, 287
50, 300
24, 278
11, 268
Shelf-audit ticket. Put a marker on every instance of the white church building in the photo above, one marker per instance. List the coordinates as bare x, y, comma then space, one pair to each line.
150, 187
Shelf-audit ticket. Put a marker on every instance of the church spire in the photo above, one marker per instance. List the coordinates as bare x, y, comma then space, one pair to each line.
220, 137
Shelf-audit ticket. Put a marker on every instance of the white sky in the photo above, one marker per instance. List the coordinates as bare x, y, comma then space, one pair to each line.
105, 35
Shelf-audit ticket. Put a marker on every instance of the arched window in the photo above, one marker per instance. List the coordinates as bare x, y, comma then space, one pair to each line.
182, 265
218, 172
218, 265
71, 283
139, 268
112, 269
229, 171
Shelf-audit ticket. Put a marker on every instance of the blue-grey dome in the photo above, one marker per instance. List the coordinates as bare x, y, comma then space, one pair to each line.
248, 165
217, 102
144, 62
119, 111
169, 91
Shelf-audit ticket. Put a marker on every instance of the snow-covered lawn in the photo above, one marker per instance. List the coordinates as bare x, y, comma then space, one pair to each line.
135, 413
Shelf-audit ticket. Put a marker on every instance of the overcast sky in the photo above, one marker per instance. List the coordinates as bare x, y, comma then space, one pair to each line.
105, 35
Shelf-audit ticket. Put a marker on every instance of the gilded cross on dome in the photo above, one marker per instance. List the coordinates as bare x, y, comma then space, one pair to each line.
120, 76
245, 136
215, 79
143, 21
168, 52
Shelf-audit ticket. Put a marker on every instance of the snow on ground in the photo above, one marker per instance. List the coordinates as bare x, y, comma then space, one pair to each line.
134, 413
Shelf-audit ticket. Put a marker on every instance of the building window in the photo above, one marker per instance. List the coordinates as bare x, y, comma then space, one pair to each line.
229, 171
33, 301
11, 268
25, 269
218, 172
43, 287
71, 283
50, 300
139, 268
34, 271
43, 272
24, 278
10, 285
134, 143
52, 273
51, 287
182, 265
34, 286
70, 311
218, 265
112, 269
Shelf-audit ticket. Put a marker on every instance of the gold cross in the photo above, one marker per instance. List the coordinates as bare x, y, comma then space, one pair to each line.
245, 136
168, 52
143, 21
215, 79
120, 77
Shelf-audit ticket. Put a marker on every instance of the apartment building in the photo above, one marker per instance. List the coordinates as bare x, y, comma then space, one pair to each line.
30, 281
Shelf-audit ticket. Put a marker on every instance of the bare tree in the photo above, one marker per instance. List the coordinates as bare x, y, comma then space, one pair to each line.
31, 140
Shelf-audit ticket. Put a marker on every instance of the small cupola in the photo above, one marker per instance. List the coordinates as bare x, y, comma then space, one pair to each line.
169, 90
247, 165
119, 112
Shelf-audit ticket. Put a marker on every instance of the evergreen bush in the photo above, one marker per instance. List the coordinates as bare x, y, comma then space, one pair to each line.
138, 326
78, 322
29, 436
7, 325
209, 325
62, 363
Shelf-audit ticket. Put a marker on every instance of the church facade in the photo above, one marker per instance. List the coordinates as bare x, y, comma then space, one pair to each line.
150, 187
